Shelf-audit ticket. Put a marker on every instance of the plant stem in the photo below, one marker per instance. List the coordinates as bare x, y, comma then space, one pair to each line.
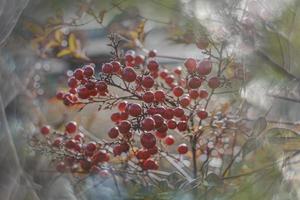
193, 144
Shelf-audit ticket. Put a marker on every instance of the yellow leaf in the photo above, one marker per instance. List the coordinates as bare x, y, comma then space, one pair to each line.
58, 35
34, 28
51, 44
72, 42
64, 52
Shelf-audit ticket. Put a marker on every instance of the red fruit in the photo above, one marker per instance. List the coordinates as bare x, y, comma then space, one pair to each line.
159, 95
169, 79
107, 68
178, 112
83, 93
148, 97
127, 135
139, 59
101, 86
164, 73
91, 146
61, 167
185, 101
113, 132
125, 147
148, 124
204, 67
117, 150
129, 55
148, 140
60, 95
45, 130
135, 110
124, 126
124, 115
182, 126
214, 82
150, 164
122, 106
70, 144
88, 71
194, 94
90, 85
78, 74
71, 127
129, 74
202, 43
143, 154
152, 53
57, 142
152, 65
172, 124
182, 149
100, 156
79, 137
178, 91
178, 70
116, 66
160, 110
190, 64
163, 128
115, 117
72, 82
148, 81
202, 114
169, 140
161, 135
194, 82
159, 120
203, 94
168, 113
153, 150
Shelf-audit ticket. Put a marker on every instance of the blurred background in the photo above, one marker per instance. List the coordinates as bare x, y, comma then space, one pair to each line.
43, 40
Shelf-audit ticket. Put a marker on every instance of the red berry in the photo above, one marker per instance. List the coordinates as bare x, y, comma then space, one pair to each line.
45, 130
168, 113
125, 146
57, 142
159, 120
143, 154
185, 101
91, 146
148, 97
182, 126
122, 106
203, 94
202, 43
113, 132
204, 67
60, 95
161, 135
159, 95
135, 110
169, 140
90, 85
164, 73
178, 70
147, 81
101, 86
129, 74
150, 164
71, 127
83, 93
152, 53
169, 79
163, 128
116, 66
152, 65
178, 91
72, 82
148, 140
182, 149
117, 150
115, 117
190, 64
153, 150
107, 68
79, 137
194, 82
70, 144
194, 94
172, 124
124, 126
88, 71
178, 112
139, 59
124, 115
78, 74
214, 82
100, 156
148, 124
202, 114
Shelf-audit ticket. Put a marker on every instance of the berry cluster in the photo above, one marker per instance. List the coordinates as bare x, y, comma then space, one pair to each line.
155, 103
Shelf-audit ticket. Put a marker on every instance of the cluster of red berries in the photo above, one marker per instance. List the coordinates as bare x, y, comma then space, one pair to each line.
164, 101
80, 154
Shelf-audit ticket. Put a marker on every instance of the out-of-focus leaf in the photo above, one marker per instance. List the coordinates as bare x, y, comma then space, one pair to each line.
259, 125
286, 139
63, 53
213, 180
